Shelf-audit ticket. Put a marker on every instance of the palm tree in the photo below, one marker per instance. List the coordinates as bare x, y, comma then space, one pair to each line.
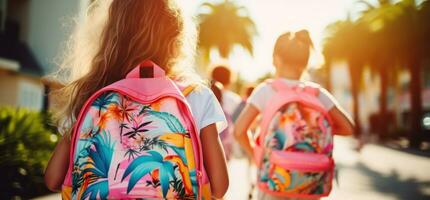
344, 42
424, 15
398, 39
411, 22
223, 26
381, 49
401, 40
326, 69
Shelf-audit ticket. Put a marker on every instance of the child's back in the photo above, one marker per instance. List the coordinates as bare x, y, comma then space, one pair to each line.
116, 36
297, 117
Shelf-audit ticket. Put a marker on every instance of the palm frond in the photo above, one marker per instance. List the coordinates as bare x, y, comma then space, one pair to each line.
223, 26
97, 190
137, 129
102, 102
131, 153
146, 164
171, 121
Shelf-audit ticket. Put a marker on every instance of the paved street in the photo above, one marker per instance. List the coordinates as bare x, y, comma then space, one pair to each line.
376, 173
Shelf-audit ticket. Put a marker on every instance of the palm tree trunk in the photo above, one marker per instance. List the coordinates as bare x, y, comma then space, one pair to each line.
416, 102
383, 123
355, 90
356, 111
328, 76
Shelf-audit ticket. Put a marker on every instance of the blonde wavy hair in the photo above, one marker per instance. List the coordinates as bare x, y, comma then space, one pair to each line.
114, 37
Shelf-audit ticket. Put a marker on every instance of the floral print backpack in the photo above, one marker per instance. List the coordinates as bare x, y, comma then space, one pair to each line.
294, 148
136, 139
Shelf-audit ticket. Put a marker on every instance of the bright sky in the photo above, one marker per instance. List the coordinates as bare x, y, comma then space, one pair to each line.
274, 17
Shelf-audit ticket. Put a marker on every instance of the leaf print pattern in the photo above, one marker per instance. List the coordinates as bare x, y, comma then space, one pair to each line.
150, 143
92, 173
137, 130
104, 101
150, 150
299, 129
171, 121
143, 165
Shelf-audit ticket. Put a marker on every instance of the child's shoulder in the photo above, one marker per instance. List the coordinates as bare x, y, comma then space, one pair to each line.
265, 85
200, 90
200, 94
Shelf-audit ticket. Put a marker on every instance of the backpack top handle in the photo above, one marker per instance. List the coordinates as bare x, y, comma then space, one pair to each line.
146, 69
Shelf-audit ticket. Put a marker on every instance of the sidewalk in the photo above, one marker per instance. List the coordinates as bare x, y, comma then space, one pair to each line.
376, 173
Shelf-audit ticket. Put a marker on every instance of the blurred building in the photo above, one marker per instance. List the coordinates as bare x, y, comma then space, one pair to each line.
32, 35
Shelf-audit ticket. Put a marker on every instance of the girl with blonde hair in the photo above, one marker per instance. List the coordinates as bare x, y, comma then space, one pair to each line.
116, 36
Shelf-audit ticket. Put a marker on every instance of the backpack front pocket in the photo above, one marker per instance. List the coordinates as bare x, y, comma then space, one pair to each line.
294, 174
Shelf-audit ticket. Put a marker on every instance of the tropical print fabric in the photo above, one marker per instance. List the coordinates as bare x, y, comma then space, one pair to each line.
300, 131
128, 150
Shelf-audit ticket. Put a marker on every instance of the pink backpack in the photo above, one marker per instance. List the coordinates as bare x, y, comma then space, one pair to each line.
294, 149
136, 138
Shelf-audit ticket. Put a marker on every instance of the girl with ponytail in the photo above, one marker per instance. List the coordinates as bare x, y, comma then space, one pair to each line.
290, 58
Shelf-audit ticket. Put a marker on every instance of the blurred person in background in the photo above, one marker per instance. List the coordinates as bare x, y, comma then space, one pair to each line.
227, 137
230, 100
239, 108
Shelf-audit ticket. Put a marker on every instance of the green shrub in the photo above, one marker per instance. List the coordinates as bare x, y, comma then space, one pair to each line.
26, 143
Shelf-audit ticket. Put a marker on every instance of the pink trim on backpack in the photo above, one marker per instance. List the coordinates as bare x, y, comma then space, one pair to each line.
308, 162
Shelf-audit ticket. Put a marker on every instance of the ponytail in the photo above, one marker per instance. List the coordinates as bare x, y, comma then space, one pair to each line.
294, 49
303, 36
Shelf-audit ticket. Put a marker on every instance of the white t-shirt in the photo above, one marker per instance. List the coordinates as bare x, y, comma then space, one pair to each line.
205, 108
230, 101
263, 93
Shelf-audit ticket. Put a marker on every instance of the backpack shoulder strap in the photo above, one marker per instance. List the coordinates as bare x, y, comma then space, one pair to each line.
311, 90
278, 85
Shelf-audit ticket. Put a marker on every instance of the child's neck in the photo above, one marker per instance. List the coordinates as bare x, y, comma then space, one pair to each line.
288, 74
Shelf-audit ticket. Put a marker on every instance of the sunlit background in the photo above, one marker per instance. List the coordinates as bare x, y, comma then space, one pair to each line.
372, 55
274, 17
